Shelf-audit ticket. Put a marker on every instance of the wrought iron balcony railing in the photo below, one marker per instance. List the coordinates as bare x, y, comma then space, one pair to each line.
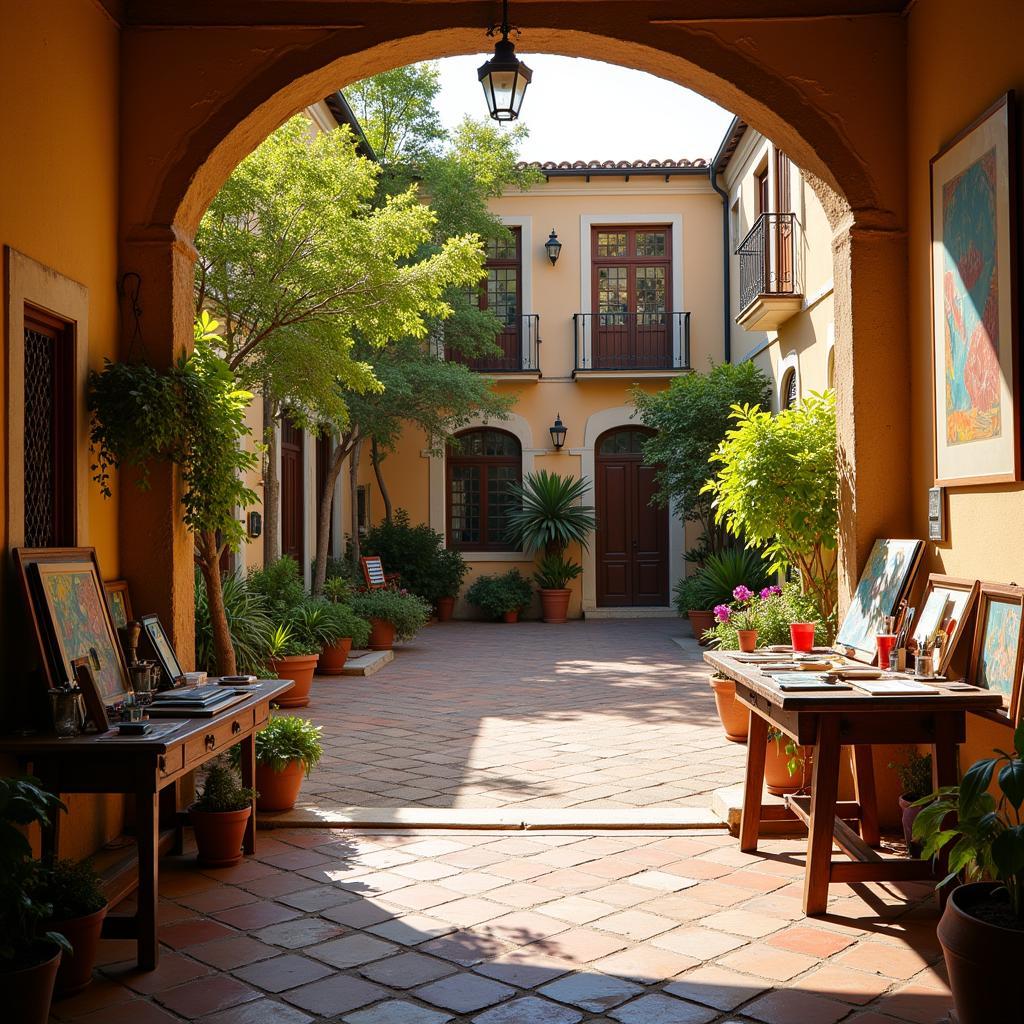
768, 258
632, 341
520, 349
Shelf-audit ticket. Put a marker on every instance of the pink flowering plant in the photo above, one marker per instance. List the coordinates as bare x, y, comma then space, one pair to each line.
769, 611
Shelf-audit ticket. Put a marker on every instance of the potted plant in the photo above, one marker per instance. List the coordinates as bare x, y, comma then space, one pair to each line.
392, 614
735, 718
287, 750
715, 582
982, 927
915, 775
348, 630
548, 516
501, 597
785, 765
29, 955
294, 657
449, 572
77, 909
220, 814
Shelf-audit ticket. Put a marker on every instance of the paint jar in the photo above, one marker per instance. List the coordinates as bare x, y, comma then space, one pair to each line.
925, 667
66, 706
886, 642
802, 636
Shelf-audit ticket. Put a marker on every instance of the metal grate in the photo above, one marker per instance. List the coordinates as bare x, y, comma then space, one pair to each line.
40, 370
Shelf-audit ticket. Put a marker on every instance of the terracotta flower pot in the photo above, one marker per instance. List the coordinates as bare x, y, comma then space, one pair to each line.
75, 971
445, 609
555, 605
776, 771
382, 635
512, 616
734, 716
298, 668
219, 835
700, 623
28, 993
333, 657
278, 791
909, 815
747, 639
982, 958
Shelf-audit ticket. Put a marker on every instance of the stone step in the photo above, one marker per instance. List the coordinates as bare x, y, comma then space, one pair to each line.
630, 613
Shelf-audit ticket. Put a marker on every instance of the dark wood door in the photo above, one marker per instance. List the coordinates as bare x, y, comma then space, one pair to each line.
293, 503
632, 535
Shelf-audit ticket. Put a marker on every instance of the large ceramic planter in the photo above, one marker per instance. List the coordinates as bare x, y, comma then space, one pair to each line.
982, 958
747, 640
777, 779
909, 815
700, 623
555, 605
512, 616
734, 716
75, 971
278, 791
299, 669
445, 609
333, 657
382, 635
28, 993
219, 835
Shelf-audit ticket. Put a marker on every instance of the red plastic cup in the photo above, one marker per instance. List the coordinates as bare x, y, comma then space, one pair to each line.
802, 636
886, 642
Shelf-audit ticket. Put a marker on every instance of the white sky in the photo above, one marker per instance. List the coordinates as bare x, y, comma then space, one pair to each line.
580, 109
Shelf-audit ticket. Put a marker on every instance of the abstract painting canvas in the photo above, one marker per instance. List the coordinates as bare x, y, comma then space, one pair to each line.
997, 652
974, 331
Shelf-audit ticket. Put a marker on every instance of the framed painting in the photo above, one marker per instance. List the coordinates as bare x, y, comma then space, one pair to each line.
886, 579
119, 602
997, 650
975, 364
947, 605
153, 631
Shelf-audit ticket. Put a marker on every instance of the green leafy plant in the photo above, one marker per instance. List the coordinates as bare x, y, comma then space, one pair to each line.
311, 623
287, 738
496, 595
555, 572
73, 889
406, 612
914, 773
794, 758
771, 617
724, 571
345, 623
280, 586
339, 589
283, 643
450, 572
222, 789
547, 514
249, 625
986, 833
687, 596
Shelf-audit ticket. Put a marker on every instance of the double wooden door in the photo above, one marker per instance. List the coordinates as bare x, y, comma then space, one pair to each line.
632, 534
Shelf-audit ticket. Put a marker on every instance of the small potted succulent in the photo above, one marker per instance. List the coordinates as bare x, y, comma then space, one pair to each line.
915, 775
449, 572
220, 815
501, 597
78, 907
982, 928
394, 615
293, 655
785, 765
287, 750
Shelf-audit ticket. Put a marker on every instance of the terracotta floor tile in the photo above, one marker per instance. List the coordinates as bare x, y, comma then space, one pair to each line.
662, 1009
422, 896
282, 972
138, 1012
786, 1006
578, 909
173, 969
233, 951
582, 945
635, 924
262, 1011
526, 967
407, 970
745, 922
699, 943
917, 1003
468, 911
302, 931
335, 995
812, 941
645, 964
716, 986
204, 996
857, 987
882, 958
464, 993
521, 927
221, 897
256, 915
766, 962
352, 950
466, 948
194, 932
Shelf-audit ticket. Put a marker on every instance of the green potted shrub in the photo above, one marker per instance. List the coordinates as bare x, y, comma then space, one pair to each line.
501, 597
287, 750
915, 775
280, 586
77, 909
292, 655
548, 516
349, 630
220, 815
715, 582
249, 626
982, 927
449, 572
392, 614
29, 954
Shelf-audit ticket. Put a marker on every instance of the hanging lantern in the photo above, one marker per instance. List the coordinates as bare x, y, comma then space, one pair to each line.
553, 247
558, 431
504, 77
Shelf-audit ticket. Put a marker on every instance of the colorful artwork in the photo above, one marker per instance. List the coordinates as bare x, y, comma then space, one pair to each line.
997, 655
162, 647
942, 603
885, 579
118, 610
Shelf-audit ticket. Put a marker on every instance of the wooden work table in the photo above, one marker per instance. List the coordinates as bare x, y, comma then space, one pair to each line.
827, 721
148, 768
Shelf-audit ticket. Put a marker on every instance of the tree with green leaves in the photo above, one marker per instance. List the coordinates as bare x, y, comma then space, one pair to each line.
691, 417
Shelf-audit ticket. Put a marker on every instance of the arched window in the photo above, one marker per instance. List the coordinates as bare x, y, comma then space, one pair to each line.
481, 465
789, 390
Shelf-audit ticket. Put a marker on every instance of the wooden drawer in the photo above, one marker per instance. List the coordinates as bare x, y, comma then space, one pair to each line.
219, 737
173, 761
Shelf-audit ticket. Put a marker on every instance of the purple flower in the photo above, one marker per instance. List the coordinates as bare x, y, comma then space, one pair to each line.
722, 612
766, 593
742, 593
775, 589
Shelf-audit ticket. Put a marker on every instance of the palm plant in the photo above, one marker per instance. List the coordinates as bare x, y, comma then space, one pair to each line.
249, 626
548, 513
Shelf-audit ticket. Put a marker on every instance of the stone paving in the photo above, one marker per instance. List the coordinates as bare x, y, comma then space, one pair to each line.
604, 714
520, 928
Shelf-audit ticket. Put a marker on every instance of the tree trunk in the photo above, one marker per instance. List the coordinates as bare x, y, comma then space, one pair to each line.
209, 566
325, 508
375, 458
353, 482
271, 484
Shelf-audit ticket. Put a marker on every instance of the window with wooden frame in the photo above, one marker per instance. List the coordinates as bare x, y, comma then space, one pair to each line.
50, 410
501, 293
481, 467
789, 390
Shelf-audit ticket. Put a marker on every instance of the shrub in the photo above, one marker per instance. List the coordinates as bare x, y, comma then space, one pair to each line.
248, 623
311, 623
686, 595
770, 616
449, 573
284, 643
723, 572
223, 790
417, 554
280, 585
914, 773
345, 623
286, 739
555, 572
547, 514
495, 595
406, 612
73, 889
339, 589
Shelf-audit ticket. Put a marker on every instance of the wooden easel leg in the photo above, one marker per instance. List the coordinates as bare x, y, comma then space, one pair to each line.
753, 785
248, 751
147, 836
864, 788
824, 792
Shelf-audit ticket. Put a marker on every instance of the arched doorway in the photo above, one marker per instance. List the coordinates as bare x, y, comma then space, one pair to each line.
632, 533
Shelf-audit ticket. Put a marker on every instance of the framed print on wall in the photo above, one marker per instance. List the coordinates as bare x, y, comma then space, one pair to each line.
997, 652
119, 602
975, 365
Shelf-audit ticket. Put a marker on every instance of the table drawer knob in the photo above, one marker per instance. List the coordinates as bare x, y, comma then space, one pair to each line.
162, 762
236, 728
210, 741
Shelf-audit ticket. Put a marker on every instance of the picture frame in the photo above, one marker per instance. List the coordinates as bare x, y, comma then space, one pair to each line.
945, 597
887, 578
119, 602
95, 709
997, 653
66, 602
159, 644
975, 335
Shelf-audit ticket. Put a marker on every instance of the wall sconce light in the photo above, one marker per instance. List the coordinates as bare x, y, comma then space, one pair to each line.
504, 77
558, 432
553, 247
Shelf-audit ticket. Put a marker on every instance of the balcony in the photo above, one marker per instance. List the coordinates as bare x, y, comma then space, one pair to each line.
768, 290
520, 351
633, 344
